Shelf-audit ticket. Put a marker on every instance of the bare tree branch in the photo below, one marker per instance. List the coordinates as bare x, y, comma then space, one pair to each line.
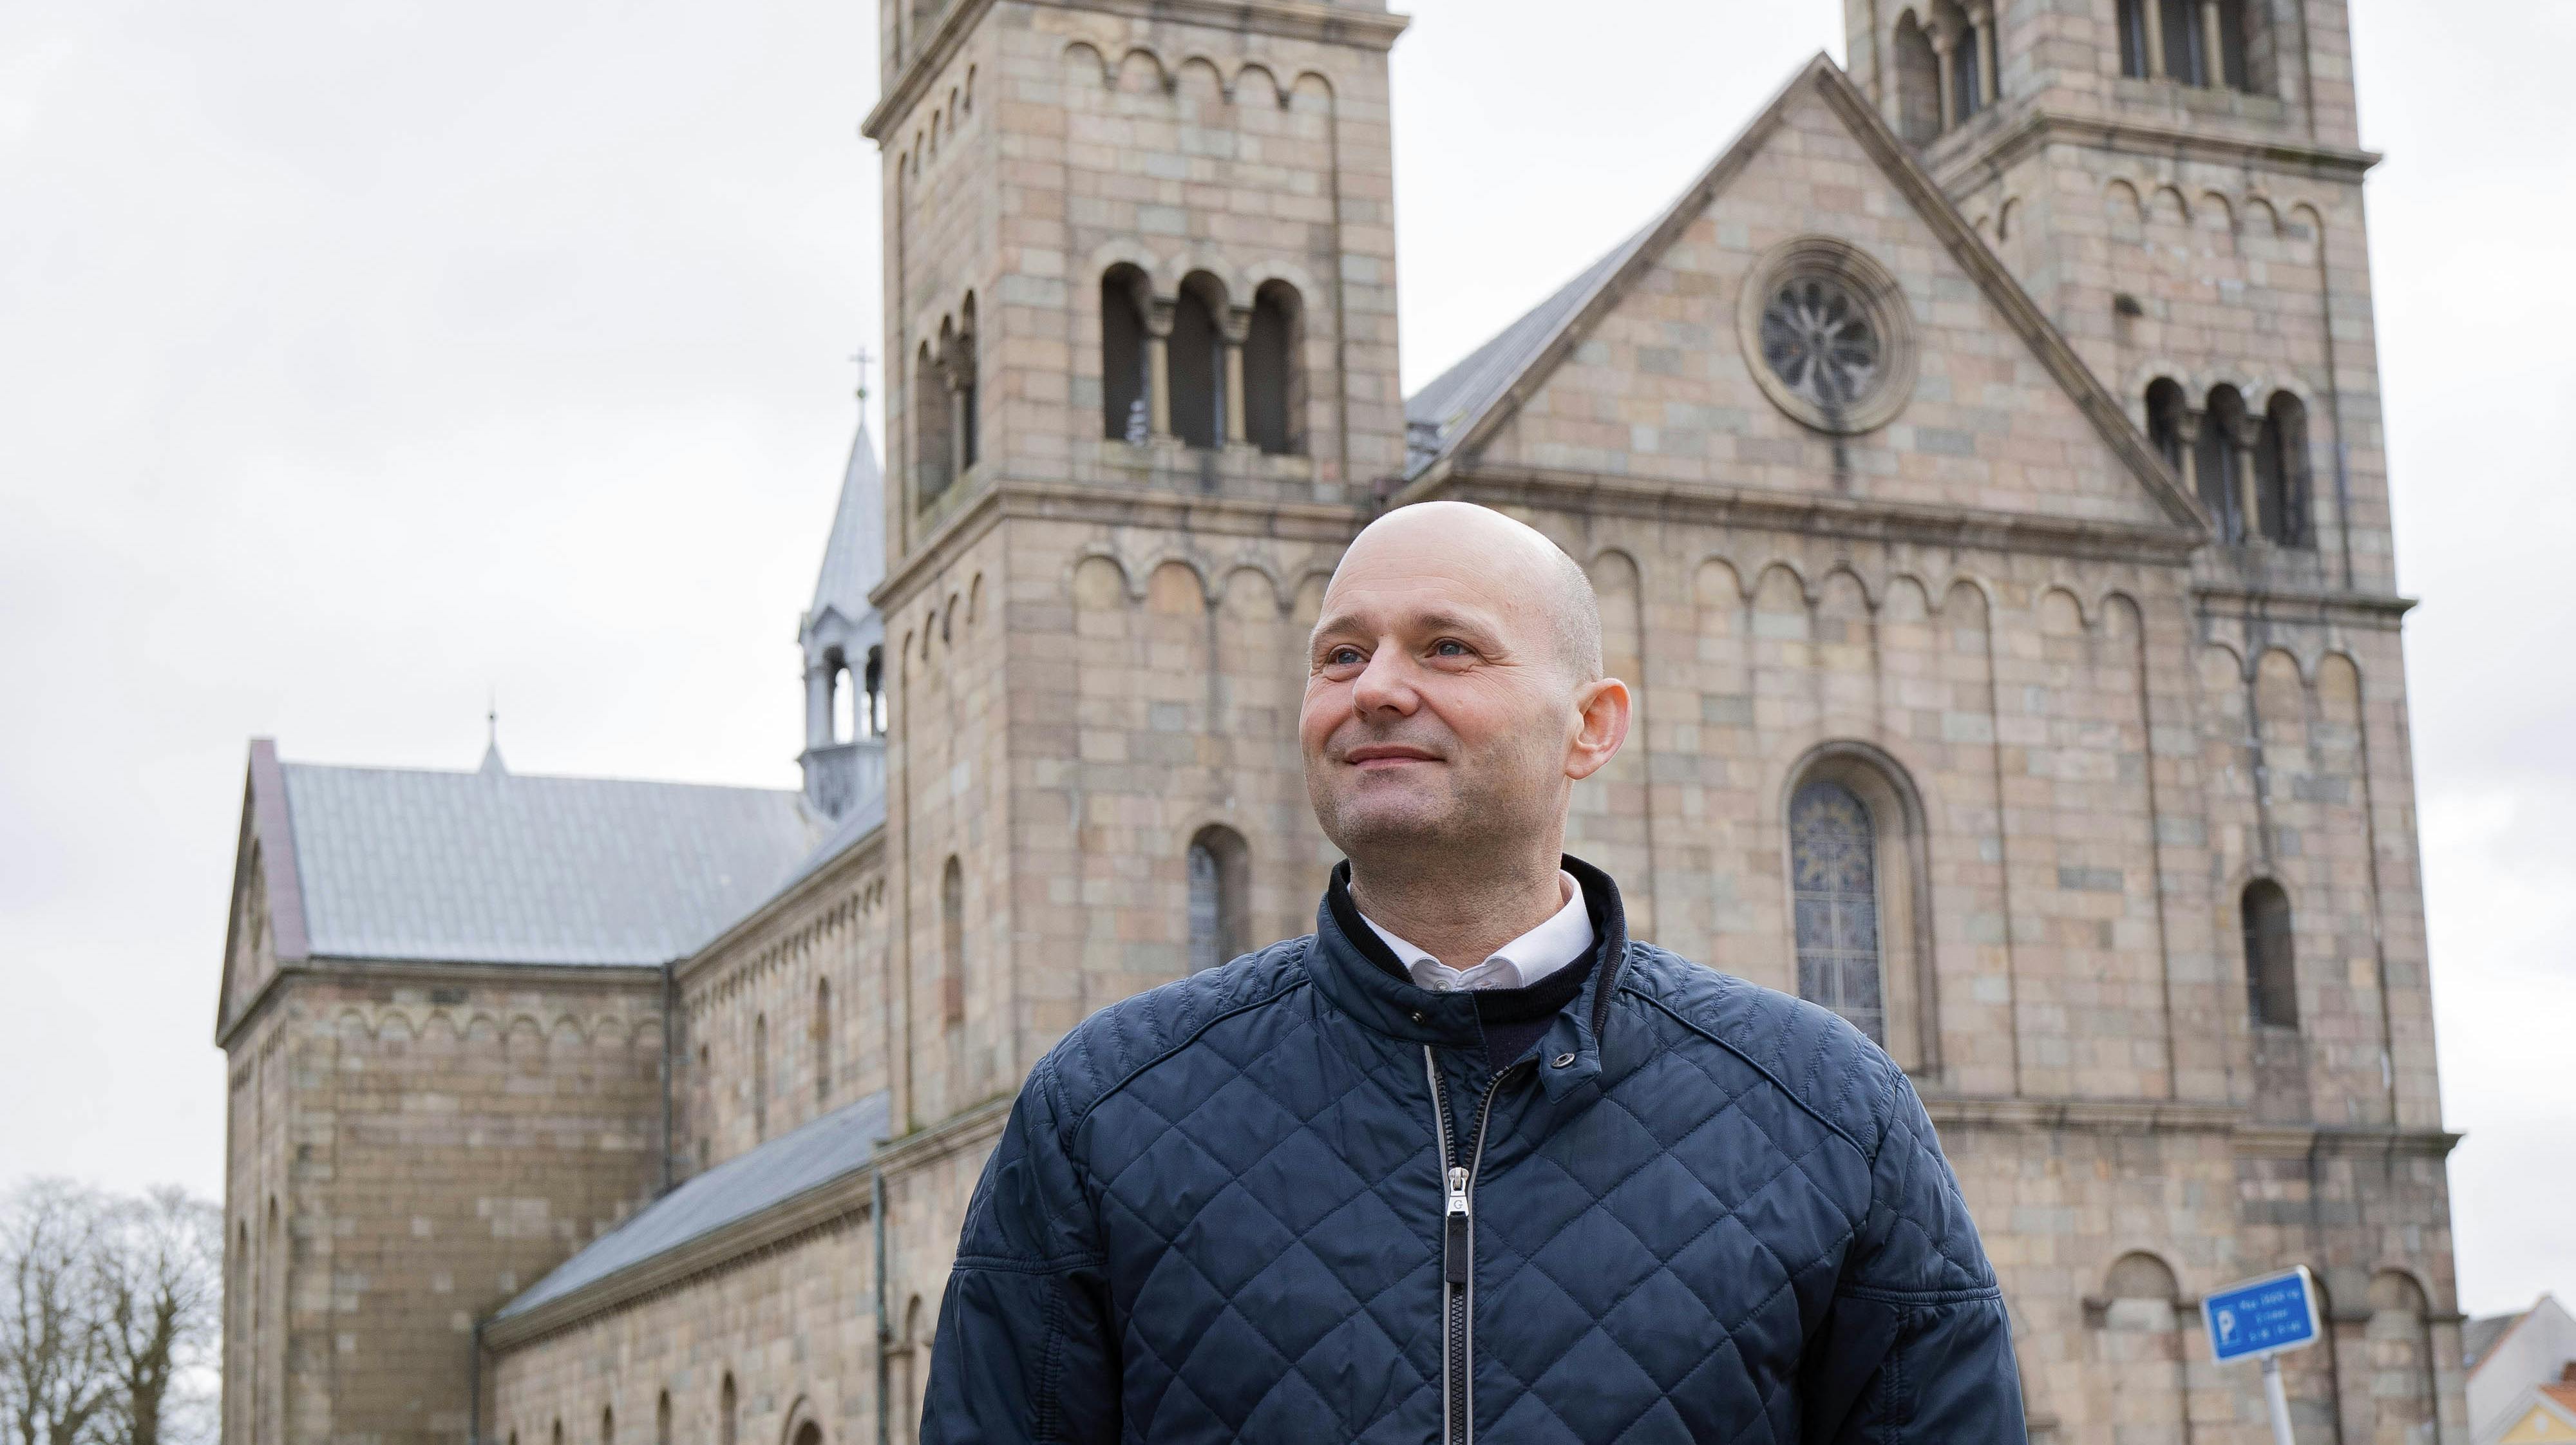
158, 1266
56, 1382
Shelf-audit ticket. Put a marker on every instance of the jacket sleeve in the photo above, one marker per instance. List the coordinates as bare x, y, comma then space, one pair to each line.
1025, 1350
1916, 1345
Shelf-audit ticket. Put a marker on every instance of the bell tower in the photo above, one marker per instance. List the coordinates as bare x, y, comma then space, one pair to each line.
2179, 183
1142, 383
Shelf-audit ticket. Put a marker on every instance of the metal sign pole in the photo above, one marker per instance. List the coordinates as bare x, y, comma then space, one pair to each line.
2280, 1402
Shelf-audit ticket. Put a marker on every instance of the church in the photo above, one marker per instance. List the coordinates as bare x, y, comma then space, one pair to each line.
1980, 463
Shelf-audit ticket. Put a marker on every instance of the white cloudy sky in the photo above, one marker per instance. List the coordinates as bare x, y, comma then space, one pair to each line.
359, 356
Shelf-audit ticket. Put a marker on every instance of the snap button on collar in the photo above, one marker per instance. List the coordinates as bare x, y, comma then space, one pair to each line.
1565, 1061
1417, 1015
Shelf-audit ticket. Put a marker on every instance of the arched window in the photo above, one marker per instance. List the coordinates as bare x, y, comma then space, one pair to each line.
607, 1425
822, 1042
932, 466
2134, 54
558, 1436
1126, 365
2271, 969
1967, 75
2222, 460
662, 1419
1274, 385
952, 943
1198, 363
1833, 850
1220, 897
2281, 472
760, 1077
873, 695
728, 1422
809, 1433
1918, 83
2165, 407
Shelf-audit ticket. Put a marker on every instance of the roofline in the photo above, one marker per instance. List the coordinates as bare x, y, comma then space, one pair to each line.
2109, 418
267, 825
2498, 1342
783, 1224
825, 876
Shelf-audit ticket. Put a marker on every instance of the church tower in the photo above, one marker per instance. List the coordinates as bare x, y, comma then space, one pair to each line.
1141, 308
2179, 184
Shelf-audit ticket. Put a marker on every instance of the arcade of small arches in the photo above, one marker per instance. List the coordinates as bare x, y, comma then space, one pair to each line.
802, 1427
1201, 366
846, 700
947, 420
1948, 68
2248, 467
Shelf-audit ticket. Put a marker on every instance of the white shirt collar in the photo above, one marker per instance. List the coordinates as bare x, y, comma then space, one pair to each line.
1564, 939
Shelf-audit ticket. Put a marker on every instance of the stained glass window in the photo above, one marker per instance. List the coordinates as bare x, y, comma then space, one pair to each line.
1833, 852
1817, 338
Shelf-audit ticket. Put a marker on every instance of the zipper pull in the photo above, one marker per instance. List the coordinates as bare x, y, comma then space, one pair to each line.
1454, 1252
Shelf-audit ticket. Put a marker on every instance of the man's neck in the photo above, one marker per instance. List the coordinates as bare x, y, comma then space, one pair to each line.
1461, 916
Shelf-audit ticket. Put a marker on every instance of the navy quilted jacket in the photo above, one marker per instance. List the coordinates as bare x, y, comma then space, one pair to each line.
1292, 1200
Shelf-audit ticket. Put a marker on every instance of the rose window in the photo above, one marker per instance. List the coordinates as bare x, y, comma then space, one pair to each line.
1817, 338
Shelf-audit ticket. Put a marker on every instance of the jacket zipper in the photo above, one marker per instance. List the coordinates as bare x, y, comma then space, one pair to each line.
1458, 1258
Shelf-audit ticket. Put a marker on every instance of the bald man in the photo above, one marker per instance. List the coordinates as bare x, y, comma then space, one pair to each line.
1467, 1162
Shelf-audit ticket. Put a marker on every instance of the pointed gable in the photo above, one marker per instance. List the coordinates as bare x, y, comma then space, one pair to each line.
267, 916
1644, 369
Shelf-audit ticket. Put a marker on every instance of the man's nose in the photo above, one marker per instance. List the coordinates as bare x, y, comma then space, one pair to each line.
1386, 684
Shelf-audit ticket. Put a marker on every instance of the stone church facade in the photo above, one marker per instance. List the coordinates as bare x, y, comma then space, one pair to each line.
1980, 464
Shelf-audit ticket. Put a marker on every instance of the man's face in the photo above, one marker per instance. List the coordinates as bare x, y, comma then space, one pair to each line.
1440, 707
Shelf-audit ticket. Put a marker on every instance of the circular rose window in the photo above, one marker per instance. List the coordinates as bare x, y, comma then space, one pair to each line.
1830, 339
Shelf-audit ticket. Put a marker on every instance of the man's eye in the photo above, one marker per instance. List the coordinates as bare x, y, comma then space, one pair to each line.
1450, 648
1344, 657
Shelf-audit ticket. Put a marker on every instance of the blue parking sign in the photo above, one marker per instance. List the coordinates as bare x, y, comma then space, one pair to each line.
2261, 1316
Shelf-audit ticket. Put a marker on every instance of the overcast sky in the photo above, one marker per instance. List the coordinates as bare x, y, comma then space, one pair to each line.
358, 359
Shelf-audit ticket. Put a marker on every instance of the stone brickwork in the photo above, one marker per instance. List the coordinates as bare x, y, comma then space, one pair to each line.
409, 1149
2084, 720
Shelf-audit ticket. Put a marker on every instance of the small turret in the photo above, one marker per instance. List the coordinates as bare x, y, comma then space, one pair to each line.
844, 644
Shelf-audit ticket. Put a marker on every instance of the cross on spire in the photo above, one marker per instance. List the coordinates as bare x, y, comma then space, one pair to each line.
863, 359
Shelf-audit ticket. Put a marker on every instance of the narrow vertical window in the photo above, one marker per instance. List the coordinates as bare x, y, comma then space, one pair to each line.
1833, 849
662, 1419
1198, 365
607, 1425
1967, 76
2184, 45
760, 1077
1220, 901
1918, 83
2271, 970
873, 698
2222, 461
963, 375
1126, 367
2228, 68
1274, 386
933, 462
822, 1043
2165, 408
2133, 39
952, 944
728, 1426
2281, 472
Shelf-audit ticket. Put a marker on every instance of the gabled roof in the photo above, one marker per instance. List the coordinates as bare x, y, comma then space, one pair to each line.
494, 867
1453, 418
854, 553
2478, 1337
822, 1152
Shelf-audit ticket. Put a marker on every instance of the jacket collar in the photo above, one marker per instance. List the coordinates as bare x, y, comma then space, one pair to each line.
1356, 970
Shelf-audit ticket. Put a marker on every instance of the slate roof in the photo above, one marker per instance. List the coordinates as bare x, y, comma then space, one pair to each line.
494, 867
2479, 1335
824, 1151
854, 554
1435, 415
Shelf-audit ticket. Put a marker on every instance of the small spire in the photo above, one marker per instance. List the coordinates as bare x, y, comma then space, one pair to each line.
492, 765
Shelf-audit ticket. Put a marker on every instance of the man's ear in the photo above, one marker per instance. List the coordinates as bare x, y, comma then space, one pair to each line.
1602, 711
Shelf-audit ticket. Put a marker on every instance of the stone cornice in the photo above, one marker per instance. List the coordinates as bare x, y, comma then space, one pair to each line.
2038, 128
1031, 498
432, 973
789, 1222
2366, 609
1290, 19
1813, 513
2176, 1116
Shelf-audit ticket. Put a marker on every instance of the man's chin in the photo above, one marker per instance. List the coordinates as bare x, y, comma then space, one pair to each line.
1365, 825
